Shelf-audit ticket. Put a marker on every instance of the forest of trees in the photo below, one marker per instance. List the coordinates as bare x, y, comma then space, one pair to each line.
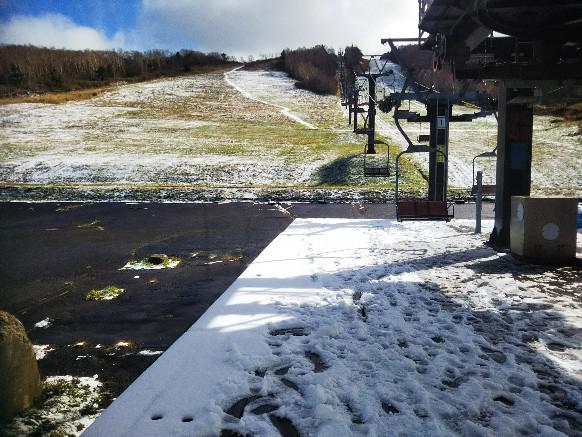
313, 68
29, 69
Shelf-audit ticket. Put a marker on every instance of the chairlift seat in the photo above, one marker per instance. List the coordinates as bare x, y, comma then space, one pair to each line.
377, 172
424, 210
487, 190
376, 163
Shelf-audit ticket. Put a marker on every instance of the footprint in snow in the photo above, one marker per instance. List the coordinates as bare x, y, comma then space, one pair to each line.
318, 364
389, 408
268, 405
505, 400
495, 355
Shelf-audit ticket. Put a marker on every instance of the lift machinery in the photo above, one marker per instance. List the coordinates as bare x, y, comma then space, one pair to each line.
533, 48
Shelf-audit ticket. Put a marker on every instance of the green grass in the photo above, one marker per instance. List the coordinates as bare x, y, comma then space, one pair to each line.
108, 293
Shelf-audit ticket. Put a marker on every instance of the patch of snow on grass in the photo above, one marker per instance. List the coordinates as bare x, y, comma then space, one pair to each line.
243, 89
67, 406
171, 263
41, 351
148, 353
108, 293
154, 133
43, 324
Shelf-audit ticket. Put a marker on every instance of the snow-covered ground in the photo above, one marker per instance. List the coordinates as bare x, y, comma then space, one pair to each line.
110, 139
372, 327
68, 406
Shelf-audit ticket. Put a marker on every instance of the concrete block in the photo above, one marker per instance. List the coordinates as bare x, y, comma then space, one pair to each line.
543, 229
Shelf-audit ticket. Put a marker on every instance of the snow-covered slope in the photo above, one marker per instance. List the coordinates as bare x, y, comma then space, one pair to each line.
211, 130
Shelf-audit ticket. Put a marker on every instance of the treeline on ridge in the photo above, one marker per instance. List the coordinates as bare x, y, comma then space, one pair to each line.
26, 69
313, 68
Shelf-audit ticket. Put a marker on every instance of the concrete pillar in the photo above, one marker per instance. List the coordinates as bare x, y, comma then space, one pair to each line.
514, 155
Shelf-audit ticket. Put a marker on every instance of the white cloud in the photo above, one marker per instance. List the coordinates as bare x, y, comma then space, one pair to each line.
267, 26
238, 27
56, 30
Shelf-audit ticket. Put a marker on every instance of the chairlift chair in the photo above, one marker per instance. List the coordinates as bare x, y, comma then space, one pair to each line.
365, 130
486, 190
379, 167
419, 209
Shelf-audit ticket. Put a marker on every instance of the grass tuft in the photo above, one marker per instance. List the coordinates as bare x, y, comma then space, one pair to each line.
108, 293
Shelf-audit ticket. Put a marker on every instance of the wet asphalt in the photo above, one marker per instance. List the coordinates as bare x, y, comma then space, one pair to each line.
52, 254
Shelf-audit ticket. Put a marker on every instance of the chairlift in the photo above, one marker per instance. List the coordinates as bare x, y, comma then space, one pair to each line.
379, 166
486, 190
375, 164
419, 209
490, 189
365, 130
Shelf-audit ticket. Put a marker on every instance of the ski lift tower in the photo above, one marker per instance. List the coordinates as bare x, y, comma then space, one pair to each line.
537, 59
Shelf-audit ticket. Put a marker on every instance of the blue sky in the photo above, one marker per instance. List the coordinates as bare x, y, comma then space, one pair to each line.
109, 16
238, 27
